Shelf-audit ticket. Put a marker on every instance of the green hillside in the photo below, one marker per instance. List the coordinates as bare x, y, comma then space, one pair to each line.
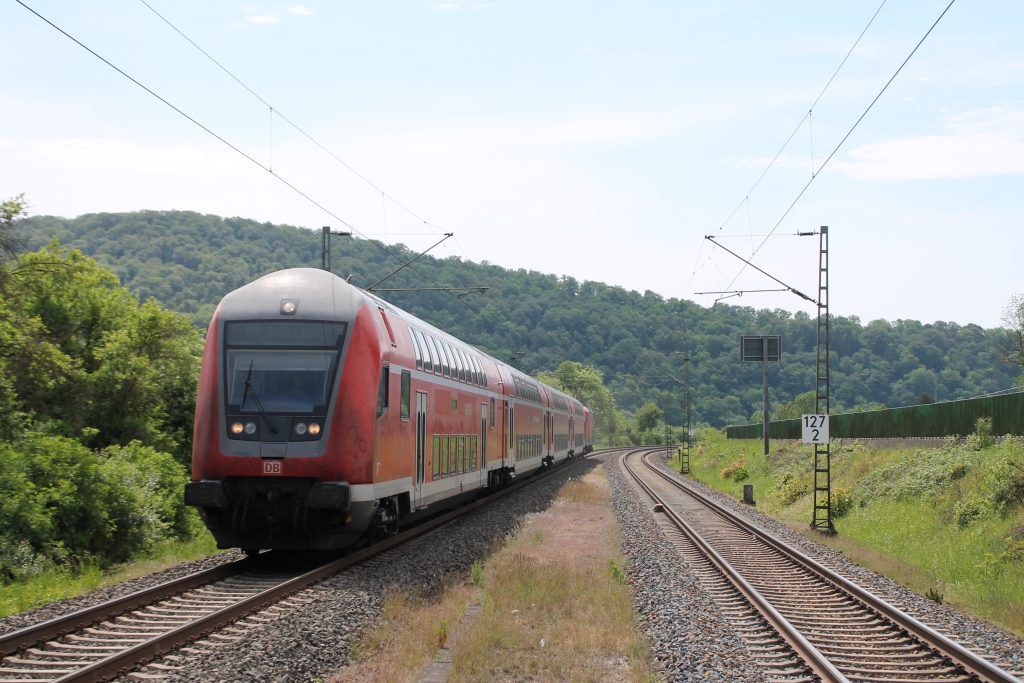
188, 261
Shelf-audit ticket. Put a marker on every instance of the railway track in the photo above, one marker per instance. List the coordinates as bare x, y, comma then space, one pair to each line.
800, 620
116, 637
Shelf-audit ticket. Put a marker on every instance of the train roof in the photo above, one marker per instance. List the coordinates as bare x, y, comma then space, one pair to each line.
263, 298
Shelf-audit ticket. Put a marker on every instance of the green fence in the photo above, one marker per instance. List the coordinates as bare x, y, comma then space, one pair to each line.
934, 419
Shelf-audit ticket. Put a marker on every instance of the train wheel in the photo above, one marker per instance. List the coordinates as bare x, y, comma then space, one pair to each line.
386, 522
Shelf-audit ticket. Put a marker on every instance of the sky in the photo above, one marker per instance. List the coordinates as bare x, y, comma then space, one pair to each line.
599, 140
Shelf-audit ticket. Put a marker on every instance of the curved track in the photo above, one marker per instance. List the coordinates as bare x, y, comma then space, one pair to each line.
826, 627
115, 637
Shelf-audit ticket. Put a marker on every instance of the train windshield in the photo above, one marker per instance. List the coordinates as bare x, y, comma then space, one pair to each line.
281, 366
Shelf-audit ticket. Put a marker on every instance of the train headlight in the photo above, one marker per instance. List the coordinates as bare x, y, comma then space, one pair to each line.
237, 427
314, 429
300, 429
250, 428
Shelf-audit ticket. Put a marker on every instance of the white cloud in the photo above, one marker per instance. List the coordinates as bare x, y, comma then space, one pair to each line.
301, 10
979, 143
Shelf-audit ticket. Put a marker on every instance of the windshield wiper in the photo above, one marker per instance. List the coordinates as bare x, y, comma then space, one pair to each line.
256, 400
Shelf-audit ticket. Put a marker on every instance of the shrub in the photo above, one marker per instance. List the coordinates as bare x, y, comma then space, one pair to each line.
62, 503
966, 512
841, 502
476, 573
737, 471
919, 474
982, 436
789, 488
1005, 481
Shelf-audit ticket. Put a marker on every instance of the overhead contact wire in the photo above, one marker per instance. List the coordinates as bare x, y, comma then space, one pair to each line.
846, 137
285, 118
799, 125
309, 137
208, 130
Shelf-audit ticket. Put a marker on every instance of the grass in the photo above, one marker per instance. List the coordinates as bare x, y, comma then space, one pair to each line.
907, 520
554, 607
58, 584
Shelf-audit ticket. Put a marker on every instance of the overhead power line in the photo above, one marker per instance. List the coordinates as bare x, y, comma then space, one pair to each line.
208, 130
284, 118
856, 123
806, 117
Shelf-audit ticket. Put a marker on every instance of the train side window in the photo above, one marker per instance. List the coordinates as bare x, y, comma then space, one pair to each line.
451, 455
435, 353
444, 456
445, 370
382, 390
465, 374
435, 458
490, 415
406, 394
416, 349
479, 372
459, 364
456, 363
428, 363
449, 365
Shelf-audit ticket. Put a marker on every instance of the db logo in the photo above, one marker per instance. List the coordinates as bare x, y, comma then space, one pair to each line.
271, 467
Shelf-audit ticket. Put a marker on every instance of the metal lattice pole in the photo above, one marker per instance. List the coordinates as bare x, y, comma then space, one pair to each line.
684, 451
822, 452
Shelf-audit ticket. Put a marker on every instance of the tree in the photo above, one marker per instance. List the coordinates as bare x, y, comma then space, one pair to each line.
647, 416
1013, 339
586, 384
10, 209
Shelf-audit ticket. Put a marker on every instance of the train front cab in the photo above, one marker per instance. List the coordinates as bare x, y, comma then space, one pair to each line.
278, 461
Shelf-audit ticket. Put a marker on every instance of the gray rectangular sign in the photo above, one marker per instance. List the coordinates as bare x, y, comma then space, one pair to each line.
752, 348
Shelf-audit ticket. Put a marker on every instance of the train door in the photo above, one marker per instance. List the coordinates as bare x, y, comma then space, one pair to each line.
483, 436
421, 447
510, 430
504, 433
547, 433
572, 434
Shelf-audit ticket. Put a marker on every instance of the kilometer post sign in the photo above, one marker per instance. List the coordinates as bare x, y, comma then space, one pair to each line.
814, 428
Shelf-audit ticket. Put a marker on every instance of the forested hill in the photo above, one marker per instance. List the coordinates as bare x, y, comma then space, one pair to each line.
188, 261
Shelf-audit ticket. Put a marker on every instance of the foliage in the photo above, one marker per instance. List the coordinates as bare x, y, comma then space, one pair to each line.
61, 502
737, 471
586, 383
1005, 481
789, 487
1013, 335
918, 475
982, 436
10, 209
83, 357
841, 502
647, 416
96, 402
188, 261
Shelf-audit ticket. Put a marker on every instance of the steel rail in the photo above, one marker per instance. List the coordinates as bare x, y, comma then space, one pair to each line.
812, 657
971, 662
15, 641
125, 660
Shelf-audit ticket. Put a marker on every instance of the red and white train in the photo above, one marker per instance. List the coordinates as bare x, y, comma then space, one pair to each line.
325, 415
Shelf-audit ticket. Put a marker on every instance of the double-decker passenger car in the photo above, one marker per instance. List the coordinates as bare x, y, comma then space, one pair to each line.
325, 415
